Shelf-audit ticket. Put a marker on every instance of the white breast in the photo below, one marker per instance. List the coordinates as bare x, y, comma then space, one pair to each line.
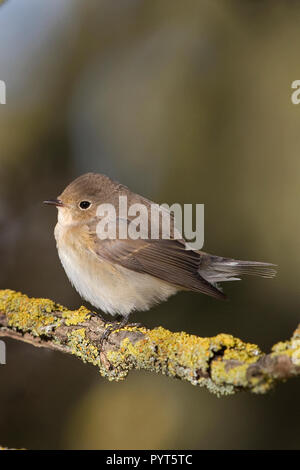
109, 287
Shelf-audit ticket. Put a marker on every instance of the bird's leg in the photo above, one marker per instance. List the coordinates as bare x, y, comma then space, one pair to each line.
98, 315
124, 321
109, 330
120, 319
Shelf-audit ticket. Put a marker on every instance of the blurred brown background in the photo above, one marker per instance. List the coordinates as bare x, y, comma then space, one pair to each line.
184, 102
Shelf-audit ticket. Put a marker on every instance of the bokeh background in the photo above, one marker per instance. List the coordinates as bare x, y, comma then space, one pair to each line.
183, 102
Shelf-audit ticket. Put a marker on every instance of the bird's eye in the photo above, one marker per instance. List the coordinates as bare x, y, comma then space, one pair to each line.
84, 205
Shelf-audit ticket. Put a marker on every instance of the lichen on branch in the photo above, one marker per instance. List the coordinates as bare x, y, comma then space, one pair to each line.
222, 363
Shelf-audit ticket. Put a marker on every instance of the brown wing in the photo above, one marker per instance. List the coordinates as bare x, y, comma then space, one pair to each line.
164, 259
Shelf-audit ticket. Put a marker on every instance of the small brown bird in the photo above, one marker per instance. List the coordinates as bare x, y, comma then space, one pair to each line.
120, 275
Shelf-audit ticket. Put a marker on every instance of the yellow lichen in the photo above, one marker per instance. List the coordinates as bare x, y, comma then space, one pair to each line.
29, 314
34, 315
75, 317
220, 363
188, 356
81, 347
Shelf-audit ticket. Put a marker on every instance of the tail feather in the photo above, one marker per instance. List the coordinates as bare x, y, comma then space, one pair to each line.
218, 269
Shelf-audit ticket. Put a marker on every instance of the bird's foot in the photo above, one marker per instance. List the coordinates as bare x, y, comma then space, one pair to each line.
134, 325
98, 315
114, 327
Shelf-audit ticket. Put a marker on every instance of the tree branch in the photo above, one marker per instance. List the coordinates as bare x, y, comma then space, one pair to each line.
223, 364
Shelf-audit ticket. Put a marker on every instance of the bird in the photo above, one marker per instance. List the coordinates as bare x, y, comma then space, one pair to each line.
122, 275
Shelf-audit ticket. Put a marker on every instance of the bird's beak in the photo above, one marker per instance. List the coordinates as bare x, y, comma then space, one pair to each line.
54, 202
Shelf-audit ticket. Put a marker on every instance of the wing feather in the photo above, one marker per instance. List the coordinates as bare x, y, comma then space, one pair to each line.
167, 260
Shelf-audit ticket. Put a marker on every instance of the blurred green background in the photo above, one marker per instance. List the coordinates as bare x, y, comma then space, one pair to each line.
183, 101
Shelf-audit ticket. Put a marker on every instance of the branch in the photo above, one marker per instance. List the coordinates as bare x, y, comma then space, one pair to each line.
223, 364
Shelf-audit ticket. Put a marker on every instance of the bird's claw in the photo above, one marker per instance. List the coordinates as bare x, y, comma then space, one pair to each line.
114, 327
